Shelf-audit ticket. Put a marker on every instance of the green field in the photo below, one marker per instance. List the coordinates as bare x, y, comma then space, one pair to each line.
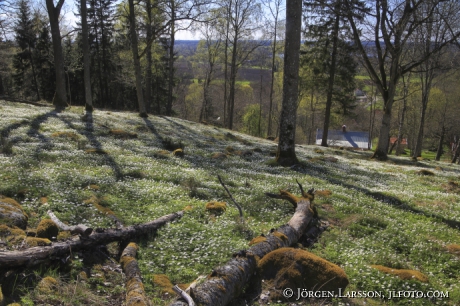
399, 214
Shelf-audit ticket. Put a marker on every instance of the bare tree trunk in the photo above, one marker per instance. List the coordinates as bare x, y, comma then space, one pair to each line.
330, 86
286, 146
148, 54
171, 60
137, 65
456, 152
441, 143
403, 113
60, 96
86, 58
233, 71
37, 255
272, 81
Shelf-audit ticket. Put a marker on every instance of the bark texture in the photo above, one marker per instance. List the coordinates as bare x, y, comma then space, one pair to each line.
135, 293
228, 281
80, 229
36, 255
286, 146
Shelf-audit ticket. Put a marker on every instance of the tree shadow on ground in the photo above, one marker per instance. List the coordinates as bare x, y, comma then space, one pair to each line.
393, 201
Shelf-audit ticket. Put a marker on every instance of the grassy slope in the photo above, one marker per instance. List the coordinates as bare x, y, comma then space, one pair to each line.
381, 213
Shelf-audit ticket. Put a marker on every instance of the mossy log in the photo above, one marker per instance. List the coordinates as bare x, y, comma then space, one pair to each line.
135, 293
228, 281
37, 255
80, 229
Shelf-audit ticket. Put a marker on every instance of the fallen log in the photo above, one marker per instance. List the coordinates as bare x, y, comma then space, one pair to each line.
80, 229
135, 293
228, 281
37, 255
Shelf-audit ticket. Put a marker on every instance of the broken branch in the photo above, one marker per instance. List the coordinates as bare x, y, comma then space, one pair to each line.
36, 255
80, 229
231, 197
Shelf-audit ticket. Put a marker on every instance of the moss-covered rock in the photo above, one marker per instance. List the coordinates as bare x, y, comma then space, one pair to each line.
296, 268
403, 273
11, 213
47, 229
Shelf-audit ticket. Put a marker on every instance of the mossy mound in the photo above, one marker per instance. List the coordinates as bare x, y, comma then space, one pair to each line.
424, 172
454, 249
117, 133
11, 213
96, 151
100, 205
69, 135
48, 285
403, 273
216, 207
163, 282
33, 241
47, 229
218, 155
179, 153
323, 193
296, 268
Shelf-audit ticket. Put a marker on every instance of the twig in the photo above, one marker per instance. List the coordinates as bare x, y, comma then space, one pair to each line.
230, 195
184, 295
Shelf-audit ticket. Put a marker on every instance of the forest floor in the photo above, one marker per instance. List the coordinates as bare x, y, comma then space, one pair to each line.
399, 214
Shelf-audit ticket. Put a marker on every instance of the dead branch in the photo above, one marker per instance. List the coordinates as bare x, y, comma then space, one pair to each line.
228, 281
135, 293
231, 197
80, 229
36, 255
184, 295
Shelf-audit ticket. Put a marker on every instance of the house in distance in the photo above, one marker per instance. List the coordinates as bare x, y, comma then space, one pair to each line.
344, 138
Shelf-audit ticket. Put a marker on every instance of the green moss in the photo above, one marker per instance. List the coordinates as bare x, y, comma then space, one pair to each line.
96, 151
257, 240
47, 285
117, 133
403, 273
454, 249
296, 268
163, 282
179, 153
32, 241
216, 207
47, 229
69, 135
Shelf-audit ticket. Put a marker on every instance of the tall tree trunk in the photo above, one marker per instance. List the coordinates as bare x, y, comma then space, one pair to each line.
171, 60
426, 81
330, 86
86, 58
148, 54
286, 146
233, 71
227, 32
441, 143
272, 81
60, 96
403, 113
137, 65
